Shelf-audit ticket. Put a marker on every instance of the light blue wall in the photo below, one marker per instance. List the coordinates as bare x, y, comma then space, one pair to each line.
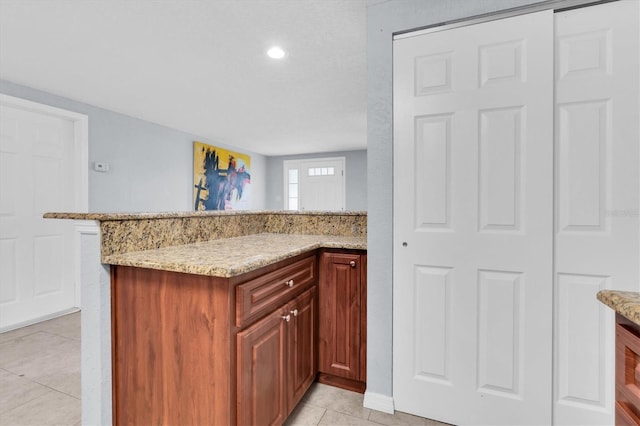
151, 166
356, 173
382, 21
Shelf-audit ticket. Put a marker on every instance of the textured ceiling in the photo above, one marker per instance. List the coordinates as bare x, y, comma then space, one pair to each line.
200, 66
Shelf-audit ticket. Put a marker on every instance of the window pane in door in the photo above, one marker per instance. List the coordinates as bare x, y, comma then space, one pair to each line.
293, 190
293, 176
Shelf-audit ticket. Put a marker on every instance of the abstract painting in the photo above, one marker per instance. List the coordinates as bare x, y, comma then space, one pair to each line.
221, 178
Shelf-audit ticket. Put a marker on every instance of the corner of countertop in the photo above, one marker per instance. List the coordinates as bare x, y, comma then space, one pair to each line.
625, 303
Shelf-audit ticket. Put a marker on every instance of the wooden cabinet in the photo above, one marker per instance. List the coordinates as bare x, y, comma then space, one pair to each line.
276, 362
342, 319
262, 365
191, 349
303, 351
262, 294
627, 372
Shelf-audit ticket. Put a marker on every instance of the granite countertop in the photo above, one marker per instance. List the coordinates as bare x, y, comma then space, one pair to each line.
229, 257
184, 214
625, 303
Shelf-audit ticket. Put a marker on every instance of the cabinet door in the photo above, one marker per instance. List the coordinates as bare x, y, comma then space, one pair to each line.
339, 296
262, 371
302, 346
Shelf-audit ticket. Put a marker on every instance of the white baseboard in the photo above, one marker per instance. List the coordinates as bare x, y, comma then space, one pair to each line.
39, 319
378, 402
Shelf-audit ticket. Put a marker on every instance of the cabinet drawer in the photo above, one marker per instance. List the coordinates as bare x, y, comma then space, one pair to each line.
261, 295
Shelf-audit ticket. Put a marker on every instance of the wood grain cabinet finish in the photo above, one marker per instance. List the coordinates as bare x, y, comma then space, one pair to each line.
303, 351
190, 349
276, 362
627, 372
170, 355
262, 378
258, 296
342, 313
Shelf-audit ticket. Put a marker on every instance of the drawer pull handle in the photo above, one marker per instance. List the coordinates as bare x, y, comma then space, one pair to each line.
287, 318
294, 312
352, 263
289, 283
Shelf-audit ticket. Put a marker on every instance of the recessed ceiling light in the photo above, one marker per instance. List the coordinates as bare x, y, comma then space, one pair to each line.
276, 52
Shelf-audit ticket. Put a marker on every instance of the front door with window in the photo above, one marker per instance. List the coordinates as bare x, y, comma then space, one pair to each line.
314, 184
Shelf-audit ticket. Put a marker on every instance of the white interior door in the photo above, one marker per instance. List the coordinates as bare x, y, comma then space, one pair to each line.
597, 205
39, 154
315, 184
473, 192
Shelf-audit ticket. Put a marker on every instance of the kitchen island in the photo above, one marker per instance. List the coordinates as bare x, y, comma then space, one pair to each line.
191, 295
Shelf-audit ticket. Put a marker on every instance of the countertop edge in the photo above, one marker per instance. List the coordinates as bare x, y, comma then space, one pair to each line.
625, 303
127, 259
174, 215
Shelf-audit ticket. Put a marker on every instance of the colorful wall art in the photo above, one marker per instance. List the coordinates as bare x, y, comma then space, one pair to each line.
221, 178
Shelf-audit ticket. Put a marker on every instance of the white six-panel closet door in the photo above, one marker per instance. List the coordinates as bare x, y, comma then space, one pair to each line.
498, 242
473, 201
597, 205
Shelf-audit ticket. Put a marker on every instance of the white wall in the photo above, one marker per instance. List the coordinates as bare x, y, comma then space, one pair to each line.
151, 166
382, 21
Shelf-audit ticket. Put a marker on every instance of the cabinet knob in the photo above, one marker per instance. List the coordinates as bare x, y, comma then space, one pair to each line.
289, 283
294, 312
352, 263
287, 318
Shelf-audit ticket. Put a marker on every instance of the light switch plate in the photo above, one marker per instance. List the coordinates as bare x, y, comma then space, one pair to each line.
101, 167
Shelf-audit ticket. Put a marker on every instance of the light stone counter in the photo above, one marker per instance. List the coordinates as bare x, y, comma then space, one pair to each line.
184, 214
229, 257
625, 303
134, 232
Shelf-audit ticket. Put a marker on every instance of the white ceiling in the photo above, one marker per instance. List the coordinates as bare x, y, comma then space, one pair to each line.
200, 66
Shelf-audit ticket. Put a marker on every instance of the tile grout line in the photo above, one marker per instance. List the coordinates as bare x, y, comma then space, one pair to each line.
25, 402
59, 335
322, 416
29, 379
56, 390
19, 337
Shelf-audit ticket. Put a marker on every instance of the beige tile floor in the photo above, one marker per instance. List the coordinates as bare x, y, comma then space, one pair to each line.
40, 384
40, 373
326, 405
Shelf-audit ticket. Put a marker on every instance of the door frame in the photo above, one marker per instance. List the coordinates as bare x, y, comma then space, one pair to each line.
80, 160
285, 177
555, 5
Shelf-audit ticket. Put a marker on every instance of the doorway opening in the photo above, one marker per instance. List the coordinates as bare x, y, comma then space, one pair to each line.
314, 184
